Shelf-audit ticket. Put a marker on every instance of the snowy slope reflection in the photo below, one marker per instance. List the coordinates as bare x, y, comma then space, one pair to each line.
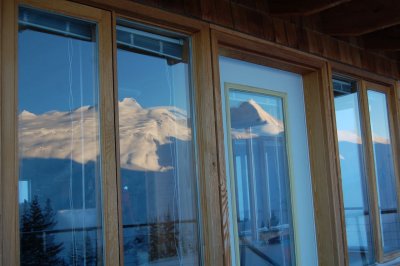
159, 224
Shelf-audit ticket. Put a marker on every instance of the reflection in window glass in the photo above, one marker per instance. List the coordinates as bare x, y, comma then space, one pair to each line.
156, 150
59, 160
261, 173
384, 171
354, 180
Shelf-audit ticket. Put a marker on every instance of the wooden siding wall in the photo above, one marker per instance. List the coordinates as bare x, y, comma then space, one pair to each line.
252, 17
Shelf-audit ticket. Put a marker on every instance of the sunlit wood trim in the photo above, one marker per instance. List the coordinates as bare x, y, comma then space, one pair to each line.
65, 8
9, 162
390, 93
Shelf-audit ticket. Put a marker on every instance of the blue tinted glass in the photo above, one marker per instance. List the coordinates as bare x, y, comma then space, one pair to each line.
384, 171
261, 173
59, 152
158, 180
354, 180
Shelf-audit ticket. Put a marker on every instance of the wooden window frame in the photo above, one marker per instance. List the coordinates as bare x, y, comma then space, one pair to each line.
370, 81
207, 43
106, 121
323, 163
210, 242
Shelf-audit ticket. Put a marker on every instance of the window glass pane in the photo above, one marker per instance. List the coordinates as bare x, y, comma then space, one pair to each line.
159, 206
384, 170
354, 180
59, 153
261, 174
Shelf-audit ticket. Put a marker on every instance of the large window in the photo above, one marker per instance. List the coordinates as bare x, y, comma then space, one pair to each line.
60, 171
158, 181
369, 186
67, 166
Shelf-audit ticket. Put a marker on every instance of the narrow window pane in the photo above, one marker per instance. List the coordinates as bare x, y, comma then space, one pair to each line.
159, 206
354, 180
59, 153
384, 170
261, 176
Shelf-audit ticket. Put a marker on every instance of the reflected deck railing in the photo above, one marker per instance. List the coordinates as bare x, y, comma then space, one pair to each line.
358, 224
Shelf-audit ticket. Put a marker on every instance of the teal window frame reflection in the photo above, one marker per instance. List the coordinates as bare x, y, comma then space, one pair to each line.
257, 92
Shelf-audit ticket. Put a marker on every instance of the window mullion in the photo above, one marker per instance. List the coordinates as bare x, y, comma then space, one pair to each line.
109, 186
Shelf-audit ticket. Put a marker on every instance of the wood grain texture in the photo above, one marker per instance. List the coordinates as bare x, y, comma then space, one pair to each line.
249, 20
223, 13
110, 188
359, 17
223, 187
117, 143
323, 162
254, 18
9, 160
207, 151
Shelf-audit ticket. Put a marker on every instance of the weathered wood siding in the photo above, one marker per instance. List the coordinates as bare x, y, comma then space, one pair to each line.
252, 17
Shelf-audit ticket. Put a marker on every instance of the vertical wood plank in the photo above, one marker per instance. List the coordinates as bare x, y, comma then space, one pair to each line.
207, 150
192, 8
222, 171
207, 9
9, 160
291, 35
331, 47
365, 60
344, 52
247, 21
314, 43
223, 13
303, 39
280, 32
356, 58
268, 26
